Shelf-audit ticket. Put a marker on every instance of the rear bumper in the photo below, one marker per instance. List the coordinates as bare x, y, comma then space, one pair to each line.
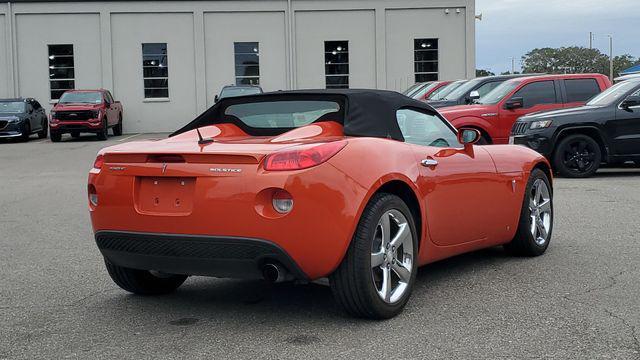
228, 257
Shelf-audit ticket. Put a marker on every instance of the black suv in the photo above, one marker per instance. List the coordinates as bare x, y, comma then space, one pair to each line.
578, 140
472, 90
19, 118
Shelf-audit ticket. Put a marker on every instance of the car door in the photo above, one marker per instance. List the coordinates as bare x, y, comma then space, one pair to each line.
31, 116
456, 185
536, 96
109, 109
624, 131
39, 115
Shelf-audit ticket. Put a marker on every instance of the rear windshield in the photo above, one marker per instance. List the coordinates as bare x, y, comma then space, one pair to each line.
11, 107
283, 114
239, 91
81, 97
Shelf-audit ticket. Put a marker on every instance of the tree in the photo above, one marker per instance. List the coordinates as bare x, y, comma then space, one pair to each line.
573, 60
483, 72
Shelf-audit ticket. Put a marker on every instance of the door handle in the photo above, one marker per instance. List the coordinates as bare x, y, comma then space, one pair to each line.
428, 162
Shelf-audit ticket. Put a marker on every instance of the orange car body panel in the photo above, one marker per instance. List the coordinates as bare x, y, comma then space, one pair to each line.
139, 194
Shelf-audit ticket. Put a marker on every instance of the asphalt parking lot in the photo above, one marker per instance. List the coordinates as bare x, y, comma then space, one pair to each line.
579, 300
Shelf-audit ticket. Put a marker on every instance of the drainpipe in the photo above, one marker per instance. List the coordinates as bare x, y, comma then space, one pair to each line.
11, 59
290, 31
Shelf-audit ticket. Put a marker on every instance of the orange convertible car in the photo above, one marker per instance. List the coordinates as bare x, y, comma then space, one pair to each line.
360, 186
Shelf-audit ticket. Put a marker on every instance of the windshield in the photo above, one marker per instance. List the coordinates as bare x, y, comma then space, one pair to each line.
613, 94
239, 91
445, 90
413, 88
496, 95
81, 97
463, 90
282, 114
419, 94
12, 107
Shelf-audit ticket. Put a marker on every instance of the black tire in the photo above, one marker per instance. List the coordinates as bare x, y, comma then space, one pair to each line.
55, 136
117, 130
75, 134
26, 131
42, 134
352, 283
143, 282
524, 243
104, 133
577, 156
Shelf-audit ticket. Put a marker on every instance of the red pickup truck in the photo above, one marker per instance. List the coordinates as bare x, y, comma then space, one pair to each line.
85, 111
495, 113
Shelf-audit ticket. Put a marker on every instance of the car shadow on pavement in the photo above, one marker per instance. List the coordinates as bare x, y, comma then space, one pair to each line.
203, 299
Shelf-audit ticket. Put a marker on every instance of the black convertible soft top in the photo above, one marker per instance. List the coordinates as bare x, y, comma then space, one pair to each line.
370, 113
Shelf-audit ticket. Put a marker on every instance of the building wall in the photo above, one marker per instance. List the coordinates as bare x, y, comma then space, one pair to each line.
222, 30
35, 31
107, 38
311, 33
4, 51
128, 32
404, 25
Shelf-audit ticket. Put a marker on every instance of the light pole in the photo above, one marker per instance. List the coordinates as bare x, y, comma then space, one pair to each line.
610, 57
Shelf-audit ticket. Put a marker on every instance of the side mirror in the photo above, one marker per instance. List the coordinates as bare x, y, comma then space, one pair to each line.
474, 95
630, 101
514, 103
467, 136
216, 98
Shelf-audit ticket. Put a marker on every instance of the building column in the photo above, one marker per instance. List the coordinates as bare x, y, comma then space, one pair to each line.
381, 51
11, 55
106, 55
200, 66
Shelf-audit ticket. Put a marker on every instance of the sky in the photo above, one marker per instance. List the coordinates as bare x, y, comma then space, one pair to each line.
510, 28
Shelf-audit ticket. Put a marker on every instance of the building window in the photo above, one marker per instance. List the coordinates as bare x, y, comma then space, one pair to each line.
425, 59
247, 61
155, 70
336, 64
61, 70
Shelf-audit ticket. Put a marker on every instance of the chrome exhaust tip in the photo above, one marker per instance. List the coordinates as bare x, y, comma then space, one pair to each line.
274, 273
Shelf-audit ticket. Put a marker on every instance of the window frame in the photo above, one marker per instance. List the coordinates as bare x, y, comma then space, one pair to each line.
565, 82
447, 124
160, 65
419, 76
327, 63
52, 68
523, 86
237, 76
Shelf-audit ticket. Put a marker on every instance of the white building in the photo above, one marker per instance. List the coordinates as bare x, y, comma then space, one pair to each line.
166, 60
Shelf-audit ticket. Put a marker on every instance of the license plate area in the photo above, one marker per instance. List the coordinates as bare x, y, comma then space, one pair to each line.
164, 196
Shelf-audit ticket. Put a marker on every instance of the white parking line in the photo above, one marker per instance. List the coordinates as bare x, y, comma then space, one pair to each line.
40, 141
128, 137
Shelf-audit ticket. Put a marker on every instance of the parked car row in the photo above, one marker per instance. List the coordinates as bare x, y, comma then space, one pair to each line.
577, 121
76, 112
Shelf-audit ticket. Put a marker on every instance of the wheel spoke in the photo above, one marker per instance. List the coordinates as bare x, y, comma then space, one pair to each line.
377, 259
534, 228
386, 230
385, 291
537, 193
541, 229
545, 206
403, 273
402, 236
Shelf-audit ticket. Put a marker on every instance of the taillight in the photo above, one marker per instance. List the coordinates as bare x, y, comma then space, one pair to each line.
302, 157
282, 201
99, 162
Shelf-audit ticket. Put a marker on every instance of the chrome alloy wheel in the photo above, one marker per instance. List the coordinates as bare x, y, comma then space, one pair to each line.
392, 256
540, 211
